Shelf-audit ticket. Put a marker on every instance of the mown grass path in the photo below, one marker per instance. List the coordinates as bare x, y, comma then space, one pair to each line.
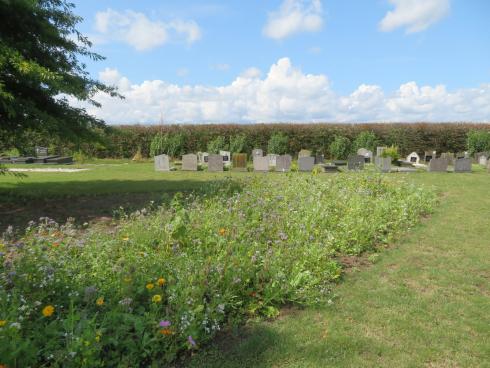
424, 303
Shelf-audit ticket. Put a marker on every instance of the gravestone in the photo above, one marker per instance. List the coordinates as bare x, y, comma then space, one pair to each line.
272, 159
215, 163
261, 164
41, 151
257, 152
413, 158
162, 163
483, 160
329, 168
438, 165
226, 155
429, 155
283, 163
355, 162
306, 163
203, 157
319, 159
367, 154
383, 164
379, 151
462, 155
449, 156
304, 153
239, 162
462, 165
189, 162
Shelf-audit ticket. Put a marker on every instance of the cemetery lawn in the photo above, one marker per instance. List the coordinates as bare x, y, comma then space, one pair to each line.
423, 303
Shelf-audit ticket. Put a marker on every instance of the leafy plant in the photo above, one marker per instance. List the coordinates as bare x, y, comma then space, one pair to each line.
278, 144
217, 144
391, 152
366, 139
237, 143
478, 141
169, 144
340, 147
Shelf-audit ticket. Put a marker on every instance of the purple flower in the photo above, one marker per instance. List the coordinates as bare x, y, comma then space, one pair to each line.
191, 341
165, 323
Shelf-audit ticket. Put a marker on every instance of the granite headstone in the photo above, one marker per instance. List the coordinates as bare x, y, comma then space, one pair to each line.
261, 164
306, 163
283, 163
215, 163
462, 165
162, 163
438, 165
189, 162
355, 162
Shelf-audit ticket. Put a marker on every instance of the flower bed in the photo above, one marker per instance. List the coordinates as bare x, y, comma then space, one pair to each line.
166, 281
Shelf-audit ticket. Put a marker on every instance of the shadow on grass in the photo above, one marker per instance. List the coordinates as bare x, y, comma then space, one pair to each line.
88, 201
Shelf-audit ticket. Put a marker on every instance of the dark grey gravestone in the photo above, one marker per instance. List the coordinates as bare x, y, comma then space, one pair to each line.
438, 165
306, 163
215, 163
283, 163
257, 152
355, 162
189, 162
319, 159
304, 153
261, 164
162, 163
462, 165
329, 168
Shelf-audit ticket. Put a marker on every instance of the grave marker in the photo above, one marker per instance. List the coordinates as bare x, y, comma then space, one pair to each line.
413, 158
438, 165
367, 154
261, 164
462, 165
304, 153
355, 162
189, 162
226, 155
162, 163
272, 159
257, 152
383, 164
306, 163
283, 163
215, 163
429, 155
379, 151
239, 162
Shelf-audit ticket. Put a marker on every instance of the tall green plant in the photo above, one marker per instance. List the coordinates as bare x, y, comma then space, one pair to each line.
340, 147
217, 144
169, 144
237, 143
366, 139
478, 141
278, 144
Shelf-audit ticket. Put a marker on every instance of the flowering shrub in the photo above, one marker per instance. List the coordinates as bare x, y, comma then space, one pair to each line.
166, 281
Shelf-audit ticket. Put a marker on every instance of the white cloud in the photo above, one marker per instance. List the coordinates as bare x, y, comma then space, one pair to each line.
414, 15
294, 16
286, 94
137, 30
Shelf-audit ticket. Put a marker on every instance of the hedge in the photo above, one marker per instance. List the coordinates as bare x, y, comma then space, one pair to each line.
125, 140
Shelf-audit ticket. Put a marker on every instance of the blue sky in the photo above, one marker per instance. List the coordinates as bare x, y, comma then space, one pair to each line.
291, 60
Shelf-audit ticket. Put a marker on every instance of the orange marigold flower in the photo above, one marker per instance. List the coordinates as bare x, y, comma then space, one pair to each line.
161, 281
150, 286
222, 231
56, 244
166, 332
100, 301
48, 311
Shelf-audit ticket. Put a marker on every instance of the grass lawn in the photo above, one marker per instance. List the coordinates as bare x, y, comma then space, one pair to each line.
425, 302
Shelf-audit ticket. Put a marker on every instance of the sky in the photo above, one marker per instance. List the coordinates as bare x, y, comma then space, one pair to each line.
210, 61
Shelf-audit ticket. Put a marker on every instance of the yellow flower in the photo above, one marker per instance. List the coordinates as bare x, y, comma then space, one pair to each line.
125, 238
97, 338
161, 281
150, 286
222, 231
48, 311
2, 322
98, 335
156, 298
100, 301
127, 279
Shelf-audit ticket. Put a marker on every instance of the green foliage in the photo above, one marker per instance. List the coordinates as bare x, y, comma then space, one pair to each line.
238, 143
340, 147
217, 144
278, 144
366, 139
39, 51
167, 280
478, 141
391, 152
169, 144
